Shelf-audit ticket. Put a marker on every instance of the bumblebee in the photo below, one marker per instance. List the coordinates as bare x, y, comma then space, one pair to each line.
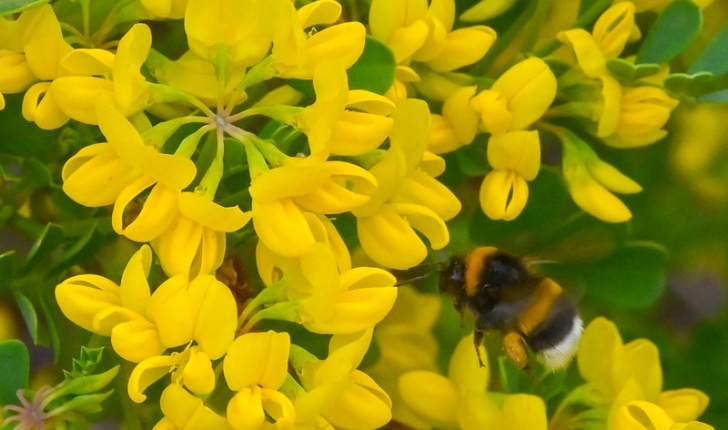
504, 295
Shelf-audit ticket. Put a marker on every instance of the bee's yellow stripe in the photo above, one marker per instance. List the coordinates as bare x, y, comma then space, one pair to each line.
546, 293
474, 266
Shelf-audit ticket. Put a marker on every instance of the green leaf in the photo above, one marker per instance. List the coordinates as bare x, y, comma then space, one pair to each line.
81, 249
14, 6
7, 268
374, 70
15, 363
714, 58
631, 278
472, 158
690, 85
30, 315
716, 97
674, 29
627, 71
47, 242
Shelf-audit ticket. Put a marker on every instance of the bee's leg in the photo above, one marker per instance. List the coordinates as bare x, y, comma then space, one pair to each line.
478, 341
514, 347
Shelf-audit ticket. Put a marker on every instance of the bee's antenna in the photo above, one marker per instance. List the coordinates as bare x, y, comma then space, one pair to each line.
439, 266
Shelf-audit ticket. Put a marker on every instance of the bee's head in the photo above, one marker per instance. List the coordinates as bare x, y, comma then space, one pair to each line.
452, 277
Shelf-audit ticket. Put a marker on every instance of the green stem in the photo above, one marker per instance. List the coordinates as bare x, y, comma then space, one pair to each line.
585, 19
534, 27
503, 41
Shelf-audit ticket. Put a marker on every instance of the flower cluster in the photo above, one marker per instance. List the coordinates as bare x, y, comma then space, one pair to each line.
259, 125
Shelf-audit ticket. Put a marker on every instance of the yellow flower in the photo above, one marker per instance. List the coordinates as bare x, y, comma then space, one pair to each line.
142, 325
458, 124
408, 197
628, 379
590, 180
515, 158
119, 170
611, 32
643, 111
639, 415
422, 33
322, 299
282, 196
75, 94
297, 54
517, 99
183, 411
460, 400
345, 397
405, 343
343, 121
194, 243
255, 367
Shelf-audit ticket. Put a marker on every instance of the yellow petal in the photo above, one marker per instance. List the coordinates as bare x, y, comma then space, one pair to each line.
344, 42
46, 113
390, 240
519, 151
76, 96
356, 133
282, 227
136, 340
463, 48
386, 17
684, 405
427, 222
89, 62
459, 113
148, 372
644, 361
215, 315
95, 176
424, 190
17, 76
464, 369
156, 215
611, 106
354, 311
257, 359
130, 86
530, 88
198, 374
503, 195
613, 28
134, 288
524, 411
209, 214
245, 409
411, 130
319, 12
45, 46
430, 395
590, 57
613, 179
82, 297
600, 355
640, 415
170, 309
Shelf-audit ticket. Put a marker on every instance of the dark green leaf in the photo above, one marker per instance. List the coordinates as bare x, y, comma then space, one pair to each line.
14, 6
30, 316
46, 243
631, 278
674, 29
714, 58
689, 85
7, 268
36, 174
374, 70
15, 365
716, 97
472, 158
627, 71
20, 137
82, 248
